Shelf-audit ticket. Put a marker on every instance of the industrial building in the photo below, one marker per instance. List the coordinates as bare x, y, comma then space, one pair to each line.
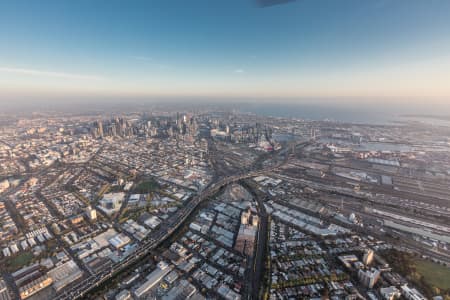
153, 279
65, 274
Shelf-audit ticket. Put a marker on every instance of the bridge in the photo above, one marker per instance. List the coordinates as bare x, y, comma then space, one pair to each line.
81, 288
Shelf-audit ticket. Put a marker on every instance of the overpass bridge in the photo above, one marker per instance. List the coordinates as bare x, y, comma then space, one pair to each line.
83, 287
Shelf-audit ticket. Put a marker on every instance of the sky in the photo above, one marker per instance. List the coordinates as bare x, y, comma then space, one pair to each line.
370, 51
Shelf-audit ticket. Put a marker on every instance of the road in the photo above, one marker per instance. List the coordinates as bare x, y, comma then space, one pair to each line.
257, 263
157, 237
80, 289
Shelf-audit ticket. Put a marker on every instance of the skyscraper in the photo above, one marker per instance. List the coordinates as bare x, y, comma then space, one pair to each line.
100, 128
368, 257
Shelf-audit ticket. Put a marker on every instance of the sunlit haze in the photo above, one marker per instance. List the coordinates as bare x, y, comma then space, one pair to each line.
224, 149
397, 52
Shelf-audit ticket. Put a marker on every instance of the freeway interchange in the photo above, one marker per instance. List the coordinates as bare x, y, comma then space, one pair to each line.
81, 289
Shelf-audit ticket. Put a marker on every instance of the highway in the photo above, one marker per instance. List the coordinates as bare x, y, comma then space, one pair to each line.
80, 289
257, 262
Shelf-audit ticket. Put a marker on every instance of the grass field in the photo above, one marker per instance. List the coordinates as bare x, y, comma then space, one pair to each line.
434, 274
20, 260
147, 186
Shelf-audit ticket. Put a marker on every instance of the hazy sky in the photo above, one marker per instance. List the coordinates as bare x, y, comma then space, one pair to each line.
336, 49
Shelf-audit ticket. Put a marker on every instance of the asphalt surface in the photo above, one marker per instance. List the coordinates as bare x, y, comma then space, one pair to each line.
82, 288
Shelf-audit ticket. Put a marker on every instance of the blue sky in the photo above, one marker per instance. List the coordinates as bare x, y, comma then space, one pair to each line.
231, 48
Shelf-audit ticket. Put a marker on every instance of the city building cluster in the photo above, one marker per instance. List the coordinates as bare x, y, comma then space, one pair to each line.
221, 205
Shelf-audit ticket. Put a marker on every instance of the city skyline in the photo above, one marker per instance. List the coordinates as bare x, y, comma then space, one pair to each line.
235, 150
353, 52
173, 202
